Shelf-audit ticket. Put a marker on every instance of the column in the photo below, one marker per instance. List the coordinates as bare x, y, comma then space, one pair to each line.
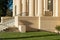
18, 7
45, 5
31, 7
24, 7
39, 7
27, 7
55, 8
36, 7
14, 7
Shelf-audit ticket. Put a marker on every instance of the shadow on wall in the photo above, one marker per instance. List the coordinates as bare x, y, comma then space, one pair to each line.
29, 25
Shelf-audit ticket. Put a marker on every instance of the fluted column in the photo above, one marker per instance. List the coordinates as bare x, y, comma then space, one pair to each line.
55, 8
31, 7
45, 5
24, 7
27, 7
39, 7
36, 7
14, 3
18, 7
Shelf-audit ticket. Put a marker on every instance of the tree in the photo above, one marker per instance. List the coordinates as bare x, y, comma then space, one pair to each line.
3, 7
10, 7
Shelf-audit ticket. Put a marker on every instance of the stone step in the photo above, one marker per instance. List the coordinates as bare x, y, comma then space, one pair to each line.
11, 29
6, 24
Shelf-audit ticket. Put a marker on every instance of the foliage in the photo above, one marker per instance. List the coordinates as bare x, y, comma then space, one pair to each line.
58, 28
9, 13
4, 7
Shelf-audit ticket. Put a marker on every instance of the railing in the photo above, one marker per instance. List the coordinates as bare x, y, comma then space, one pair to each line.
9, 23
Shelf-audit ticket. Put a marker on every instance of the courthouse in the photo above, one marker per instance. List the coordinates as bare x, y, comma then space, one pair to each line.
33, 15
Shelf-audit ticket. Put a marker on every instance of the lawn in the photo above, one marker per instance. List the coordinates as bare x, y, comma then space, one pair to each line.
29, 36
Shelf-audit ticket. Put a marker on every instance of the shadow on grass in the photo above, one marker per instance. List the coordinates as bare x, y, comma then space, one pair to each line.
31, 37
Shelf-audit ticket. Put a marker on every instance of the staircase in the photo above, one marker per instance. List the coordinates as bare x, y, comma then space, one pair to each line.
6, 24
11, 29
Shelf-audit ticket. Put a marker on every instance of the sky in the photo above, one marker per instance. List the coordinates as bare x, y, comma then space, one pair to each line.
10, 5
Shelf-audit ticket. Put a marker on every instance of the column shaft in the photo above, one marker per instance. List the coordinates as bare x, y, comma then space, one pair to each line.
36, 7
14, 7
31, 7
39, 7
27, 7
24, 7
46, 5
18, 7
55, 8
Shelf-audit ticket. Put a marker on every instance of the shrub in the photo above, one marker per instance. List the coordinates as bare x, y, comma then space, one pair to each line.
58, 28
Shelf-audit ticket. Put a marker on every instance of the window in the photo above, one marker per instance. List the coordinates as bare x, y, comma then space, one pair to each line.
49, 8
50, 5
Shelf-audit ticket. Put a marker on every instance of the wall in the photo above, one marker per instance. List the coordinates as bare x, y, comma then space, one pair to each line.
49, 23
59, 7
31, 23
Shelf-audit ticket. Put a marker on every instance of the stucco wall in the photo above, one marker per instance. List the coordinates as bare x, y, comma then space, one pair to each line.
31, 23
46, 23
59, 7
49, 23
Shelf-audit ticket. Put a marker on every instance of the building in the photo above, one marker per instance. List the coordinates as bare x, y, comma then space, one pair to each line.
32, 15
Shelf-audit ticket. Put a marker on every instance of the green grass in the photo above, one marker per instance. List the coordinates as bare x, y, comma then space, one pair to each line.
29, 36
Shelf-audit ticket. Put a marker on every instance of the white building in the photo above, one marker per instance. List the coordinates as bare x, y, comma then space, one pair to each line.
32, 15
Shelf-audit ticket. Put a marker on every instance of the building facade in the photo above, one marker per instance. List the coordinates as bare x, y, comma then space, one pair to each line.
36, 14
